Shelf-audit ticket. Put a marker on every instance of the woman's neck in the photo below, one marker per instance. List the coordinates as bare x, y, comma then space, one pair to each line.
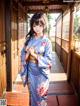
38, 35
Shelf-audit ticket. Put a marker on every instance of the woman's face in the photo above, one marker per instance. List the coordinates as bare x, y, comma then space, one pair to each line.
38, 28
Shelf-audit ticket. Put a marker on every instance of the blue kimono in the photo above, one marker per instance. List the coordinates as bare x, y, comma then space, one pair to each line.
38, 72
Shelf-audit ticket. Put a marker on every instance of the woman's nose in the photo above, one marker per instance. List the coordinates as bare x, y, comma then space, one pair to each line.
37, 26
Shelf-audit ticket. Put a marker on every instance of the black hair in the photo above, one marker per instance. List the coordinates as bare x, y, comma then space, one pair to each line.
35, 19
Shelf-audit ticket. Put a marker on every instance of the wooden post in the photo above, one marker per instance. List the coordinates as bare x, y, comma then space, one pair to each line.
70, 42
55, 36
61, 35
8, 42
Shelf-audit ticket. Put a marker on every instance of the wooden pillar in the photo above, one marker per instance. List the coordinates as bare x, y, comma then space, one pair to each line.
55, 36
61, 35
70, 42
2, 49
8, 42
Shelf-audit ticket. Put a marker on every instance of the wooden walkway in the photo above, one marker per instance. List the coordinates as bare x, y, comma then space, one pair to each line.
60, 91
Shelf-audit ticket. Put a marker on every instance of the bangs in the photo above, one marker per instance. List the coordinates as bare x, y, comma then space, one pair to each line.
39, 22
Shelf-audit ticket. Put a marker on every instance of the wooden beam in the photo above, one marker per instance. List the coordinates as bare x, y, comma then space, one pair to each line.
33, 3
51, 8
50, 11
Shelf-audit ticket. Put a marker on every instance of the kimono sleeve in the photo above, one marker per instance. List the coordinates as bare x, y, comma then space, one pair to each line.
23, 62
24, 70
46, 60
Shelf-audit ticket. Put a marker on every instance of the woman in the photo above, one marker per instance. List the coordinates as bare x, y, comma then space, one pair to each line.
36, 55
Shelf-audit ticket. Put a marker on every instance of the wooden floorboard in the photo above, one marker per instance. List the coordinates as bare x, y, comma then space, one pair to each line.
52, 100
17, 99
60, 88
68, 100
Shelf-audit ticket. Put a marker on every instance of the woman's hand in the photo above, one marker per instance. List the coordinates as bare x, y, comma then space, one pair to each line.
26, 48
32, 52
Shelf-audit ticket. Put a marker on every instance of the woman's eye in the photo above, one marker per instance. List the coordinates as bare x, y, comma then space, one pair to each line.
37, 25
40, 25
34, 26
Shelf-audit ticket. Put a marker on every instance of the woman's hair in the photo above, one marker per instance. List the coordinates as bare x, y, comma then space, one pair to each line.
37, 18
